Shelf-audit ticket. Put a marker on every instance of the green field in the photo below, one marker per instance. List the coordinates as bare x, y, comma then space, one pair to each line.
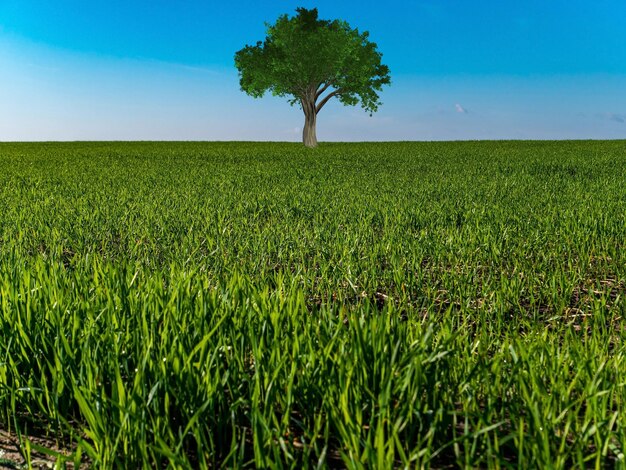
360, 305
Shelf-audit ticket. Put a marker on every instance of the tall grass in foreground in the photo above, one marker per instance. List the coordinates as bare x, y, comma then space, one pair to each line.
360, 305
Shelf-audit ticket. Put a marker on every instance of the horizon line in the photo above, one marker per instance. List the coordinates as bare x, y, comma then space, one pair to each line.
300, 143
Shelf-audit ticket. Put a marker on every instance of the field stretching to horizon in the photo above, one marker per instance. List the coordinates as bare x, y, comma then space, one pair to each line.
370, 305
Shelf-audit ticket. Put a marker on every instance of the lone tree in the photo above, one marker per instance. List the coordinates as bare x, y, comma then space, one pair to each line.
310, 61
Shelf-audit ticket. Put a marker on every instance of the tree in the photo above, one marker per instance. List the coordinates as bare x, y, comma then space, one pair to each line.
310, 61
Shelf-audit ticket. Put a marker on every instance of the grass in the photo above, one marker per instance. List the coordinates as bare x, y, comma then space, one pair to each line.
359, 305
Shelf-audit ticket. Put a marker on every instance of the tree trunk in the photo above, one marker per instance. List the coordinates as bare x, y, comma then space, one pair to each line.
308, 133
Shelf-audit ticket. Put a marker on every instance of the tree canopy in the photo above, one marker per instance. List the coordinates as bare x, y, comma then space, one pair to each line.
310, 61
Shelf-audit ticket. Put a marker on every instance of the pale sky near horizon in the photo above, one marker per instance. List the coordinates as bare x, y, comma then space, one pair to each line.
162, 70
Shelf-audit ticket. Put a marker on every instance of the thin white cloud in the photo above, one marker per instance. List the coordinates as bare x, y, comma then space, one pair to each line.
460, 109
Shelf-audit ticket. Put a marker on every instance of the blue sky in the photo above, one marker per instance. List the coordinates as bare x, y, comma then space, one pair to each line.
163, 70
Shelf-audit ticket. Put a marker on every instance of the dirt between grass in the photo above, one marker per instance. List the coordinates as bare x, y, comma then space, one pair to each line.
13, 456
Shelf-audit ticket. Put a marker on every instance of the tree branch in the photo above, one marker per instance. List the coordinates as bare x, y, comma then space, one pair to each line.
325, 100
322, 90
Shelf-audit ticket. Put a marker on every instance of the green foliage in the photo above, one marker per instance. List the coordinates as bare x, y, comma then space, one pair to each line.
410, 305
303, 54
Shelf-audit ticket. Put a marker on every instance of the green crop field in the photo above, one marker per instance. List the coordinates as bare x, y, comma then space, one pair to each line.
385, 305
